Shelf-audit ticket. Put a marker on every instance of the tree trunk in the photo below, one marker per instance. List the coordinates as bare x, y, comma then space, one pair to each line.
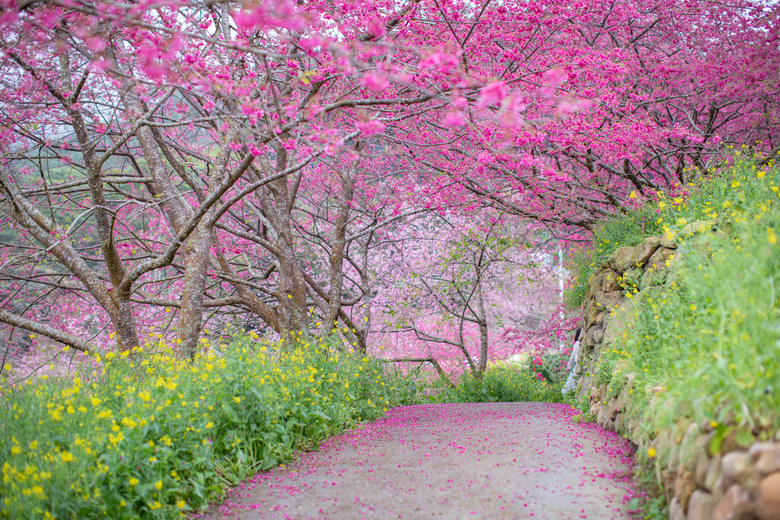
338, 244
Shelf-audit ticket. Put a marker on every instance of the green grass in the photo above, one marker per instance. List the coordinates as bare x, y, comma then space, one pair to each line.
661, 213
704, 347
716, 321
157, 437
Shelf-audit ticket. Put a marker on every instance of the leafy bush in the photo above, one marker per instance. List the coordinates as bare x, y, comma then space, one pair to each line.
503, 384
152, 436
550, 367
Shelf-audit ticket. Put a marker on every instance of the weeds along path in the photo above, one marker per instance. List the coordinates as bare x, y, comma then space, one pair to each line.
481, 460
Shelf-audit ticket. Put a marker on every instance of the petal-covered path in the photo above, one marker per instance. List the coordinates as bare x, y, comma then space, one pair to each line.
481, 460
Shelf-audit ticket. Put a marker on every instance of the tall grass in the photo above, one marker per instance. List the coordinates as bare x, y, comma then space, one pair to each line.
705, 346
539, 380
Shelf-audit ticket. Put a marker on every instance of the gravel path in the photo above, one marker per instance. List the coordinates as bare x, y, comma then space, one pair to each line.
483, 460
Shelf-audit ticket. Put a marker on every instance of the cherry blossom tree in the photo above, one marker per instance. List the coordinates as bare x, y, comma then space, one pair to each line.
166, 165
460, 290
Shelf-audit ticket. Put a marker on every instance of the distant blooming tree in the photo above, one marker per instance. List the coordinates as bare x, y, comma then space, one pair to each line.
461, 289
168, 164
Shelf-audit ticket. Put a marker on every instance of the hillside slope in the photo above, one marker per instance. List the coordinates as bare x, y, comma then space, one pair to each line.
681, 349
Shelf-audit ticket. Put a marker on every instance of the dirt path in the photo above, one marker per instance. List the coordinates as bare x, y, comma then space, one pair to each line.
491, 461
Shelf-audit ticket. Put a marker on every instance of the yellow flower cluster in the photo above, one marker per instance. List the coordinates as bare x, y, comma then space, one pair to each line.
147, 436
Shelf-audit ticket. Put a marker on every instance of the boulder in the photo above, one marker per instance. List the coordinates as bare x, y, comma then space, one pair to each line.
702, 464
609, 281
667, 483
615, 407
690, 447
713, 477
684, 486
676, 510
663, 446
735, 505
608, 300
736, 468
642, 252
652, 242
699, 226
768, 499
622, 259
673, 461
595, 316
702, 505
601, 415
594, 282
669, 242
766, 456
658, 260
585, 385
594, 335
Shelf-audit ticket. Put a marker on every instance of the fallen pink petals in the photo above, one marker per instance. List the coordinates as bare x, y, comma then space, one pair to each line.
481, 460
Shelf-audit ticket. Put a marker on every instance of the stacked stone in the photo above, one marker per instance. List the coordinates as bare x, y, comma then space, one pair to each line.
742, 484
606, 304
737, 483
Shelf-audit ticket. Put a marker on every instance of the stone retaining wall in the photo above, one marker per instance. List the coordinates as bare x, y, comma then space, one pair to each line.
736, 483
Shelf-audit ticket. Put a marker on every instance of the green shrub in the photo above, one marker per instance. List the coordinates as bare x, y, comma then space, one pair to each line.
503, 384
157, 437
716, 322
552, 367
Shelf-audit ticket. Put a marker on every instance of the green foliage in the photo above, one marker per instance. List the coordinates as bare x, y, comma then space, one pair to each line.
703, 346
552, 368
715, 321
153, 436
614, 233
649, 500
736, 185
503, 384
